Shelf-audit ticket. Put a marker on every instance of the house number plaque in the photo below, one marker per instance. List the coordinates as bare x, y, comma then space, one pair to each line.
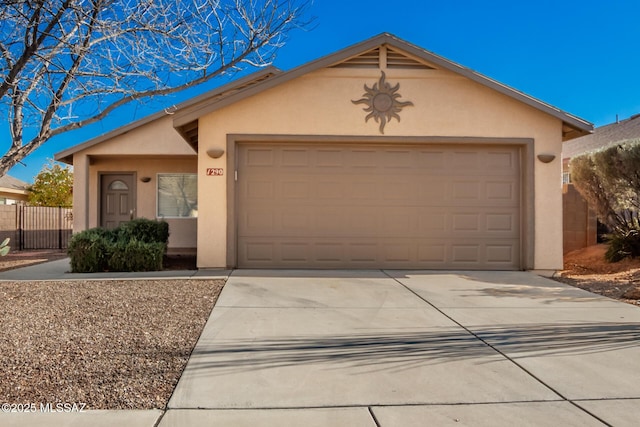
215, 171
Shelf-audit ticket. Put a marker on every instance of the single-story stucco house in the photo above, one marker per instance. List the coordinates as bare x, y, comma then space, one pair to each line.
382, 155
12, 190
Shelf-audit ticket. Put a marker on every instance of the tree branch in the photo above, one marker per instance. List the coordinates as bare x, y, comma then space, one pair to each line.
31, 48
69, 64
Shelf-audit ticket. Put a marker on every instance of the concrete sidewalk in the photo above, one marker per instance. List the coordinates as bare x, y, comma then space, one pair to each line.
400, 348
60, 270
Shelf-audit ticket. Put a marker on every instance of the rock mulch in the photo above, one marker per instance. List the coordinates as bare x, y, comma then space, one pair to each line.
587, 269
107, 344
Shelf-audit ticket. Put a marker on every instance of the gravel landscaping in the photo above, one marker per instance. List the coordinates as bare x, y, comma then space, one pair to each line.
587, 269
107, 344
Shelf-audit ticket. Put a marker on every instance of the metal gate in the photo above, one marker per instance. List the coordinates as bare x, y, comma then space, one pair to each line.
40, 227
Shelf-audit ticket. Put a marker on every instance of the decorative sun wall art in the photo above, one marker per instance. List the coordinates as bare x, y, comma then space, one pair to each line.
382, 102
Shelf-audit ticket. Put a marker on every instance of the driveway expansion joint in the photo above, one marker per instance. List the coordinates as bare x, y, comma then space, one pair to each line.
373, 416
528, 372
291, 345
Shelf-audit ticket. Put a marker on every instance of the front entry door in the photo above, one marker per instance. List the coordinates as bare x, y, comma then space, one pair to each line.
117, 201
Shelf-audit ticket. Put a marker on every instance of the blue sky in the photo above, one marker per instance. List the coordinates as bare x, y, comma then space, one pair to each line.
580, 56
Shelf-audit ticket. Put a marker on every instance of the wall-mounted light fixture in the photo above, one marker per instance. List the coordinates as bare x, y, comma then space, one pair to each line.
546, 158
145, 179
215, 153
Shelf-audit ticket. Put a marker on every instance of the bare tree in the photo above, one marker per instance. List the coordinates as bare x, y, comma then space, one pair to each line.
65, 64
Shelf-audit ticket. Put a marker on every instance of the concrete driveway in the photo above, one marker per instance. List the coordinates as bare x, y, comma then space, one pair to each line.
401, 348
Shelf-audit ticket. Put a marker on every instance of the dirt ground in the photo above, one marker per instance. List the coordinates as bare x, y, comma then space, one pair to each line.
587, 269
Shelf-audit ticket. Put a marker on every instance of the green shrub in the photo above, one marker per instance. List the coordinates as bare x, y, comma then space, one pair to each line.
138, 245
623, 245
90, 250
136, 255
609, 180
144, 230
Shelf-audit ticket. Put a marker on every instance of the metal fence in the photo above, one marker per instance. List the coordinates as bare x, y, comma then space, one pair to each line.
39, 227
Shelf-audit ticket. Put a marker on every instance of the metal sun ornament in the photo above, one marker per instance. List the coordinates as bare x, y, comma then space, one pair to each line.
382, 102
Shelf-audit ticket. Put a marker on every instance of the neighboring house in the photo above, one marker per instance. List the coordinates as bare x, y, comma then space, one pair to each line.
12, 190
382, 155
601, 137
580, 223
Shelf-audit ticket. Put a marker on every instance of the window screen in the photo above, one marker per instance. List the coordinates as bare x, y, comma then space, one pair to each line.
177, 195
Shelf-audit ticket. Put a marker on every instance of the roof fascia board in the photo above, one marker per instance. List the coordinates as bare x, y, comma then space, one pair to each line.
66, 155
192, 104
493, 84
60, 156
189, 110
394, 42
13, 191
326, 61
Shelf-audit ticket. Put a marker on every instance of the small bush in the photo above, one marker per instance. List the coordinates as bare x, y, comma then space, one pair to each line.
144, 230
623, 245
136, 255
138, 245
90, 250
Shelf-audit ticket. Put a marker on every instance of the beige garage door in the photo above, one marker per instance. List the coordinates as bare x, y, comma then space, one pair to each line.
373, 206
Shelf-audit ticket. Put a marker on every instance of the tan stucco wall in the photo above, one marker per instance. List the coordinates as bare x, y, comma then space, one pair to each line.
154, 138
141, 149
319, 103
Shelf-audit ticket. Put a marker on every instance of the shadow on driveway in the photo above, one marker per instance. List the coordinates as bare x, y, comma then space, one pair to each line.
399, 351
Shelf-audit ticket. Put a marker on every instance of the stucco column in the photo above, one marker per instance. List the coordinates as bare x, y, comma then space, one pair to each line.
80, 192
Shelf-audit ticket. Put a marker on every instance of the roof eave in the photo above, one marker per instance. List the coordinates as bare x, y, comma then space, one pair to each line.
575, 122
23, 192
581, 127
187, 117
66, 156
187, 113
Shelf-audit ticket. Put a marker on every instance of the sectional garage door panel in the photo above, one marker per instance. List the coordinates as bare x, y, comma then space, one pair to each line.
354, 206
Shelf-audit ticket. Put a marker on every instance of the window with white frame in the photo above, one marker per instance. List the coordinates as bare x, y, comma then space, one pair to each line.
177, 195
566, 178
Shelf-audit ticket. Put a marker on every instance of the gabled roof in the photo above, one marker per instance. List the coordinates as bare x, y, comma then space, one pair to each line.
10, 184
603, 136
369, 53
400, 54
